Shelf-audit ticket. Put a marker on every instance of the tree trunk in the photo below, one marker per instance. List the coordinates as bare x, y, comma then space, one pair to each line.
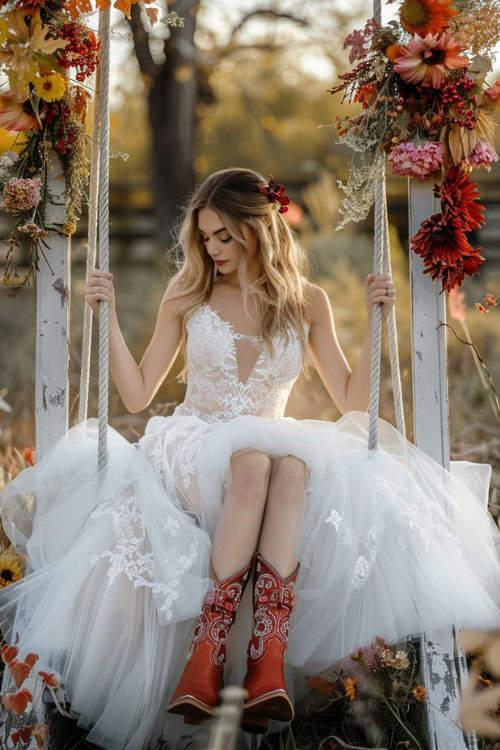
172, 99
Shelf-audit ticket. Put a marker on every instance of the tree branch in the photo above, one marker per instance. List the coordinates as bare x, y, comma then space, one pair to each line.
270, 14
141, 43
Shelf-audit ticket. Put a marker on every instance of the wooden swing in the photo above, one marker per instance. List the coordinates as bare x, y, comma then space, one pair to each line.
443, 665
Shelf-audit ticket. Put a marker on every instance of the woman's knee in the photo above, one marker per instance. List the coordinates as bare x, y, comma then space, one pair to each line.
288, 473
251, 471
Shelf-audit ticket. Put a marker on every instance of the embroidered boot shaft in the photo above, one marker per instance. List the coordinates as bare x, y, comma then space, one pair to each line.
265, 682
196, 695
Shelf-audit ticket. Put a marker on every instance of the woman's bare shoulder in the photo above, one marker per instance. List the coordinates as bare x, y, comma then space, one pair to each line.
318, 302
175, 301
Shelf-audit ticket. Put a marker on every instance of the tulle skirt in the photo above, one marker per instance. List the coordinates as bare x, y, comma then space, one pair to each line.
390, 544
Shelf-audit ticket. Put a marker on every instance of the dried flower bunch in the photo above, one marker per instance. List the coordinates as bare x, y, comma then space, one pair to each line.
40, 40
376, 693
426, 106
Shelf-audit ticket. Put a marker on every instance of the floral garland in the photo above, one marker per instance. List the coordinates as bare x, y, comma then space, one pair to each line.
421, 84
40, 42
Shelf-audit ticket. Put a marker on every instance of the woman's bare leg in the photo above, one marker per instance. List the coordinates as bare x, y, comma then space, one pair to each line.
283, 514
240, 520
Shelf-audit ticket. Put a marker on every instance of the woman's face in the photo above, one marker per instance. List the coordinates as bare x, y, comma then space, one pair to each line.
222, 248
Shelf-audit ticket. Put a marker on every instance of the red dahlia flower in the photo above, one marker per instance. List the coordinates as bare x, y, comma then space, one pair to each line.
443, 246
458, 197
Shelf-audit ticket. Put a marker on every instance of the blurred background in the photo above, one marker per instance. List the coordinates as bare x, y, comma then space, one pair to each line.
245, 84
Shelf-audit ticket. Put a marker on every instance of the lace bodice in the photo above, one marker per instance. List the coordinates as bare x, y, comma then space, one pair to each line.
215, 392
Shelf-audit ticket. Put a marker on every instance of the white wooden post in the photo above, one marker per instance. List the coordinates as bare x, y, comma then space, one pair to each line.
52, 324
442, 660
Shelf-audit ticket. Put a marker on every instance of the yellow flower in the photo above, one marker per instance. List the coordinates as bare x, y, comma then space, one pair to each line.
50, 87
350, 689
10, 570
419, 692
68, 228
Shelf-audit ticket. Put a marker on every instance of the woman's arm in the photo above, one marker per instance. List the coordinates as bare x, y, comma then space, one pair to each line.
138, 383
349, 389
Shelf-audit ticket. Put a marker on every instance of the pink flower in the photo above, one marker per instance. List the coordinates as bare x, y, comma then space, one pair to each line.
416, 160
21, 194
425, 59
456, 304
483, 155
493, 93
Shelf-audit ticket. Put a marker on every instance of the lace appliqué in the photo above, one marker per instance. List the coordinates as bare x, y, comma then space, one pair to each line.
131, 555
346, 534
422, 515
214, 392
334, 518
415, 513
157, 456
362, 568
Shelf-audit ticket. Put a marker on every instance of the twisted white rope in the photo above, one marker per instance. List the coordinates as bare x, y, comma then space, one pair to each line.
377, 315
393, 336
382, 264
91, 254
104, 38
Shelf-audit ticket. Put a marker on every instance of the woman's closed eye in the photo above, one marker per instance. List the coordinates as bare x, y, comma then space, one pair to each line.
228, 239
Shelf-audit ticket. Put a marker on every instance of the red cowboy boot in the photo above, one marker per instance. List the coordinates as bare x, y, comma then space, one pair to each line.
196, 695
265, 682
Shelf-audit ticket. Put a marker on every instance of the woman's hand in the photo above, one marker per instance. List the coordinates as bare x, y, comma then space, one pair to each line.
380, 289
99, 286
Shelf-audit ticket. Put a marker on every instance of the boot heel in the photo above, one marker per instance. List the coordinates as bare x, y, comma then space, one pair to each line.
254, 724
192, 719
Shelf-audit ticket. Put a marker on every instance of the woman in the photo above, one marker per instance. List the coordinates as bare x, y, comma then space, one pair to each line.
129, 561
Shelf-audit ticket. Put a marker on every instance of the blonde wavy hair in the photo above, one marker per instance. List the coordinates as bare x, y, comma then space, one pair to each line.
281, 289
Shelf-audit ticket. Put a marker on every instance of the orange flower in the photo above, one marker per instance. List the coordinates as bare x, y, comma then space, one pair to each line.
365, 93
29, 455
12, 112
426, 16
419, 692
484, 680
350, 689
50, 678
17, 701
490, 299
481, 308
323, 687
393, 51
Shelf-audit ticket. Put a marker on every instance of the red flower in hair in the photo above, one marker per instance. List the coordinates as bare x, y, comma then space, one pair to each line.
274, 192
447, 255
458, 196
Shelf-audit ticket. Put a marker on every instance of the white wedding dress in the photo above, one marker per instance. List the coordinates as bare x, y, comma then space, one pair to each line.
390, 543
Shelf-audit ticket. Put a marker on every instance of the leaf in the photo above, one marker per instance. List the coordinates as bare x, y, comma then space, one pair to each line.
485, 126
468, 138
38, 40
480, 64
152, 15
455, 144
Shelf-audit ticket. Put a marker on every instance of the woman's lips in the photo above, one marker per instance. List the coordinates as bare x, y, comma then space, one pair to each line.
220, 262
